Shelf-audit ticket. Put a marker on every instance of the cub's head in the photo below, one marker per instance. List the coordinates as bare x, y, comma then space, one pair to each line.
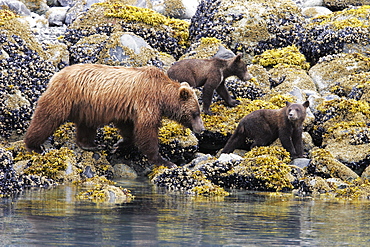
239, 68
190, 110
296, 112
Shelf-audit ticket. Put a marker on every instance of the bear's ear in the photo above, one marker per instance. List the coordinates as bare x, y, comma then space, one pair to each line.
238, 57
306, 104
287, 103
185, 91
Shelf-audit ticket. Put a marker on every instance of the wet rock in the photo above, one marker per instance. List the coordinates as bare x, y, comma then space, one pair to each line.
57, 16
123, 171
39, 6
300, 162
16, 6
312, 12
174, 8
332, 69
309, 3
336, 5
324, 164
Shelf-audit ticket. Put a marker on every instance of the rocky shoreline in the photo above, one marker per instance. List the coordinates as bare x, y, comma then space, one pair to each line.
295, 50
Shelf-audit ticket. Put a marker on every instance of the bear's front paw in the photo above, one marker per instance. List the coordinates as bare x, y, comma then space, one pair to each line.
90, 147
234, 102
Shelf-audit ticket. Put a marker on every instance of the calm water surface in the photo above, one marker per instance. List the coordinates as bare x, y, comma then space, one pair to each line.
54, 217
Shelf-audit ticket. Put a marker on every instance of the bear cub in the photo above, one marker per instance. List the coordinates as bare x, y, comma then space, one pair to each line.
210, 73
265, 126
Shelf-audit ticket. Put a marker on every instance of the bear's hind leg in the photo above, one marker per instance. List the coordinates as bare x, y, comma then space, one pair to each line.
85, 137
237, 140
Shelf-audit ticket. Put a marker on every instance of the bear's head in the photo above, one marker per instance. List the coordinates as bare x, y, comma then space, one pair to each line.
238, 68
190, 110
296, 112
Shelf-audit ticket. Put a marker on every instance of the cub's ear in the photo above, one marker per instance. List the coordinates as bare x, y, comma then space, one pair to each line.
185, 84
306, 104
287, 103
185, 91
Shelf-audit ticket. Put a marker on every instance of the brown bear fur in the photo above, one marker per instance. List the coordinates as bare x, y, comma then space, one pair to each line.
134, 99
265, 126
210, 73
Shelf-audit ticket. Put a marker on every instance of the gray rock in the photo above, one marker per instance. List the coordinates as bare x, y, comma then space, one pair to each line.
133, 42
224, 53
16, 6
301, 162
57, 16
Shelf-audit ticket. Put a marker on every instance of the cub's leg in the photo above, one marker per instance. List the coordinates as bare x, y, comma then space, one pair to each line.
207, 95
222, 91
236, 140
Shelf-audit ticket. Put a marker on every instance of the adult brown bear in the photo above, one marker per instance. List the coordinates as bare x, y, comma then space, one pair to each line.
134, 99
265, 126
210, 73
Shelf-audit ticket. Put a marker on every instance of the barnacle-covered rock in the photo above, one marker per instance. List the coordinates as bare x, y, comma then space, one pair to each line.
185, 180
324, 164
101, 190
161, 33
10, 183
24, 74
333, 69
336, 5
207, 47
250, 27
354, 86
263, 168
343, 31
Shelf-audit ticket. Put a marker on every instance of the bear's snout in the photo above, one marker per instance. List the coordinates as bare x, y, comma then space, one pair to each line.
246, 76
197, 125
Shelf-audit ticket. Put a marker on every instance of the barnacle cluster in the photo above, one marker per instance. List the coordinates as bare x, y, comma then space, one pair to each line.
330, 34
24, 73
10, 183
187, 181
249, 27
289, 55
204, 48
164, 34
324, 164
355, 86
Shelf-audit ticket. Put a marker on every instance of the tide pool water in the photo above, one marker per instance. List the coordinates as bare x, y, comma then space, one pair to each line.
55, 217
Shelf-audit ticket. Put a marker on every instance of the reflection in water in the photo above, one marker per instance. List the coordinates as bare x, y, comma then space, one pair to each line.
54, 217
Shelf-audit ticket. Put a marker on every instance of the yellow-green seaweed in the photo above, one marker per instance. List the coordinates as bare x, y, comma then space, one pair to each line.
6, 15
289, 55
50, 164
